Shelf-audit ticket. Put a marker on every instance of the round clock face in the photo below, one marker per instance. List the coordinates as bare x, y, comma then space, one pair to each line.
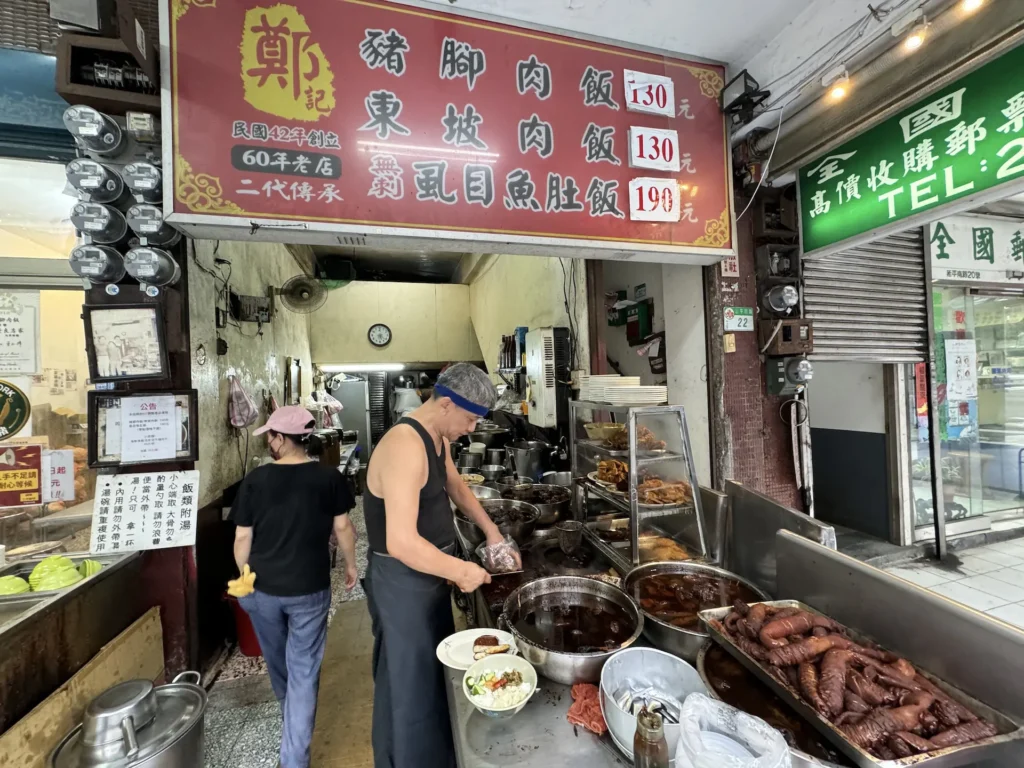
379, 335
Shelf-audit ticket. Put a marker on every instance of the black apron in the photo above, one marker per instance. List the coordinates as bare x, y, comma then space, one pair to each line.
411, 614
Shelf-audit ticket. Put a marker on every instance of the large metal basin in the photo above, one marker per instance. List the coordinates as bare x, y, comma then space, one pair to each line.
560, 666
519, 531
682, 642
492, 437
551, 500
528, 457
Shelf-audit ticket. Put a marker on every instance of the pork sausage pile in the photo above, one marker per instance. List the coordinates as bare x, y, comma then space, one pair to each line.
878, 700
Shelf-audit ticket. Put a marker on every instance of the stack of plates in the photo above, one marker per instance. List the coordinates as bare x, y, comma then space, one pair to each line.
635, 395
598, 386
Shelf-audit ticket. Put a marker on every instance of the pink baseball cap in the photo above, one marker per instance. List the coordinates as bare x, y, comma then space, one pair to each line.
290, 420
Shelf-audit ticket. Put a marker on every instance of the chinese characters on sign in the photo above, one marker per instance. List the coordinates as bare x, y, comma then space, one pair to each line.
144, 511
149, 428
19, 332
961, 370
966, 139
58, 468
977, 249
20, 475
419, 119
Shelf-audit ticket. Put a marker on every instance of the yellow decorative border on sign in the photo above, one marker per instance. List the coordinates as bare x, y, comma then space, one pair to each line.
180, 7
711, 83
201, 192
716, 232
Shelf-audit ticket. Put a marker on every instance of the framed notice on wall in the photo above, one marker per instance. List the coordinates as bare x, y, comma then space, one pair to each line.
143, 429
125, 343
19, 332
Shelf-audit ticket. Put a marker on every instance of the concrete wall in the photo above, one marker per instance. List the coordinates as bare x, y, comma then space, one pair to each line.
686, 357
621, 275
848, 396
259, 362
510, 291
429, 323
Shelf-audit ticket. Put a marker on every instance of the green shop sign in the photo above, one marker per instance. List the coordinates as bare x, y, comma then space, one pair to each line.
959, 144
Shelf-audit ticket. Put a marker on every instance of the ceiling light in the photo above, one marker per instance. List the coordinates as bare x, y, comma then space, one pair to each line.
838, 91
915, 39
972, 5
837, 81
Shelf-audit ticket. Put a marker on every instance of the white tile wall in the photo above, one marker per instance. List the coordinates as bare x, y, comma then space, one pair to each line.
989, 579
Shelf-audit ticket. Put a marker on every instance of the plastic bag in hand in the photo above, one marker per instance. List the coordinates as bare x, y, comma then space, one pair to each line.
706, 728
503, 557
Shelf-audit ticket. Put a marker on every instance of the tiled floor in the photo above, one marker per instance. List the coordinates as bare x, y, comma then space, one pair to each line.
988, 579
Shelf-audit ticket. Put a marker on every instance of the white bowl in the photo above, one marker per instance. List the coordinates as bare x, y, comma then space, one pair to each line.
644, 667
499, 664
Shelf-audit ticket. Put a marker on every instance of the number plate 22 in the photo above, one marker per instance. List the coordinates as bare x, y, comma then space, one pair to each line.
650, 94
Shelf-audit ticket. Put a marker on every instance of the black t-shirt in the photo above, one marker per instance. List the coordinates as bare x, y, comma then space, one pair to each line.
291, 509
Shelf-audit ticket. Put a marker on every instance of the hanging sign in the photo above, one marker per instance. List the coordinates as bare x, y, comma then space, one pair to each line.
966, 139
384, 120
977, 249
20, 475
150, 428
59, 475
961, 370
152, 510
19, 332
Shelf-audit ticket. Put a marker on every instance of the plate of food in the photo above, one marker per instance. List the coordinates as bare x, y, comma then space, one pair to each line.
612, 474
500, 686
645, 441
473, 479
654, 492
463, 649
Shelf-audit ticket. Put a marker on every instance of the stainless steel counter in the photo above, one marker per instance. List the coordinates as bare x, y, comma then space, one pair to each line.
538, 737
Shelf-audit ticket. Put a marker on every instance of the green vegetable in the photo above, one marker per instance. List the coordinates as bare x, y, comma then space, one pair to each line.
13, 585
89, 568
55, 572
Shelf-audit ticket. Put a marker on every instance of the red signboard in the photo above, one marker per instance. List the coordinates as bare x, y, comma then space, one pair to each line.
20, 472
370, 114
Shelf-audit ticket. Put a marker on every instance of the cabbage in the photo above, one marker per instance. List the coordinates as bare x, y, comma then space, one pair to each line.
89, 568
12, 585
54, 570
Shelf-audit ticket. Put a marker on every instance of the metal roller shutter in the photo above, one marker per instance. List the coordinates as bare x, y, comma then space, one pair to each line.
869, 303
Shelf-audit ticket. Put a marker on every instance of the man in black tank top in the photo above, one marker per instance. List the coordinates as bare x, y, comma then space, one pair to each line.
411, 483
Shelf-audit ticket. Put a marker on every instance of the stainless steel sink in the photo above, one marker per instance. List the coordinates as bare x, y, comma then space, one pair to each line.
14, 606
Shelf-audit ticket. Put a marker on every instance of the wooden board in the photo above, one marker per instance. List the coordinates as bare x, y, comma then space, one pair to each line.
137, 653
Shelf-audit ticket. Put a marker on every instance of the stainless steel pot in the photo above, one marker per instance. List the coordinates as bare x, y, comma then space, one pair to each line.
563, 479
469, 460
508, 482
682, 642
483, 492
492, 472
495, 455
560, 666
134, 725
492, 437
528, 457
552, 500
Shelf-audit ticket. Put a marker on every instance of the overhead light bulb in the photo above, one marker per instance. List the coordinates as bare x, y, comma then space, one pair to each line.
838, 83
972, 5
839, 90
915, 39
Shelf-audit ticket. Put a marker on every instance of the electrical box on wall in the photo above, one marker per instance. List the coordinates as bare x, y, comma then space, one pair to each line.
791, 336
639, 322
250, 309
788, 375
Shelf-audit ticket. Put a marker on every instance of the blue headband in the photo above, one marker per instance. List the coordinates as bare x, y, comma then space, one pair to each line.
475, 408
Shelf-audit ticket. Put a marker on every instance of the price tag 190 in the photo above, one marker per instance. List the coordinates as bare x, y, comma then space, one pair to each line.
653, 199
654, 148
650, 94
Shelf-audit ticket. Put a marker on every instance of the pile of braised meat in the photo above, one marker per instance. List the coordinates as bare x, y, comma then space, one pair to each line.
876, 699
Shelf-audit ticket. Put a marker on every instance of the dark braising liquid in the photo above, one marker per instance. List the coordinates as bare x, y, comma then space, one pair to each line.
677, 598
738, 688
574, 624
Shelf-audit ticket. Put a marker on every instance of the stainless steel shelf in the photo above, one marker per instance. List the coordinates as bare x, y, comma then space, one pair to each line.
644, 511
641, 459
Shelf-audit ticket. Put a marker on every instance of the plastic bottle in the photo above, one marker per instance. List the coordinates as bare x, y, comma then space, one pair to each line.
650, 749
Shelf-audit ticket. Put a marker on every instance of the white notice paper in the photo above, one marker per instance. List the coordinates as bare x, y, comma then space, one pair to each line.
59, 475
153, 510
961, 370
148, 431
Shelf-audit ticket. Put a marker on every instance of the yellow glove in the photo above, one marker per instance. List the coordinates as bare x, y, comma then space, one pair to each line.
243, 585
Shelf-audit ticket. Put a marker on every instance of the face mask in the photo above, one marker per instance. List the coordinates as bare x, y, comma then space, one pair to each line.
275, 454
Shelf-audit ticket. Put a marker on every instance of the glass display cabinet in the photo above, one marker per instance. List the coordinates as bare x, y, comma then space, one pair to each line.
638, 495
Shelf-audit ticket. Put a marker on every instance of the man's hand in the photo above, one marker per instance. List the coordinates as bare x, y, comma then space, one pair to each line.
471, 576
351, 576
494, 536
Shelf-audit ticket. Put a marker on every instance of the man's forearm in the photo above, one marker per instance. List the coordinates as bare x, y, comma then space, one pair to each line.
242, 547
347, 542
420, 555
471, 507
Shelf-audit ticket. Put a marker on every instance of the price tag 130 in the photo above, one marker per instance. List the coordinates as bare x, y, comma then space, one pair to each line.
650, 94
654, 199
654, 148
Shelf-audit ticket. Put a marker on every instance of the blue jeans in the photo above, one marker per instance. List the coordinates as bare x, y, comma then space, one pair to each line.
293, 634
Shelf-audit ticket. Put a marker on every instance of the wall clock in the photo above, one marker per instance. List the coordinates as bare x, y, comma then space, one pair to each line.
379, 335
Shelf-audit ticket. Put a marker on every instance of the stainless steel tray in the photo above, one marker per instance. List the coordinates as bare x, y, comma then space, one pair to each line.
968, 754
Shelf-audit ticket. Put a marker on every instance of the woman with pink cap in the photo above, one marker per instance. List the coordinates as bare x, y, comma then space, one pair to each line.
285, 512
